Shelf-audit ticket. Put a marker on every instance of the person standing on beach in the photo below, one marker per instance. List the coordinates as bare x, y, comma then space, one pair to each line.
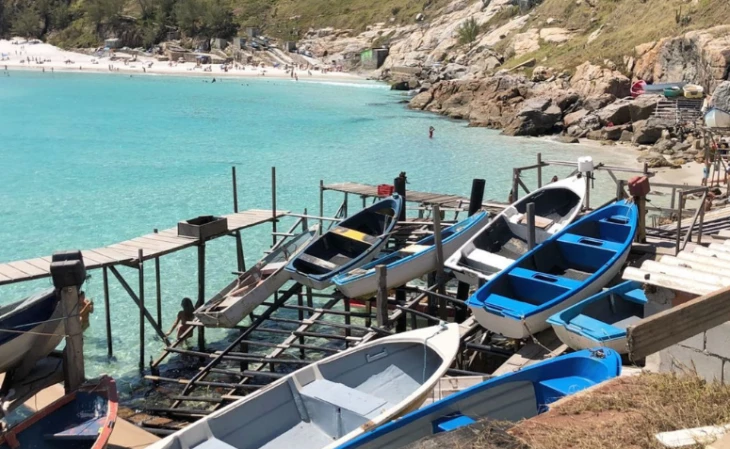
431, 129
705, 172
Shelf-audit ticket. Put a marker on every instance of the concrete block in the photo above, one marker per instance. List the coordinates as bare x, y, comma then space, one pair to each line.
680, 359
718, 340
696, 342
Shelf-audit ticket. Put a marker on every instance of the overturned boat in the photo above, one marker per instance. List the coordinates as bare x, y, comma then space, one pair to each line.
332, 400
504, 240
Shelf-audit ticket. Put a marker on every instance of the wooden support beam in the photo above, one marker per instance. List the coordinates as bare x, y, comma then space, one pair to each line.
107, 309
381, 309
201, 291
140, 270
134, 297
273, 205
530, 226
73, 353
158, 291
678, 323
539, 170
204, 383
440, 278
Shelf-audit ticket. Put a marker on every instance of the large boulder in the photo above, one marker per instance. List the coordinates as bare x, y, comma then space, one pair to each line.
613, 132
574, 117
590, 80
537, 116
700, 56
721, 96
646, 132
643, 107
598, 101
615, 113
421, 100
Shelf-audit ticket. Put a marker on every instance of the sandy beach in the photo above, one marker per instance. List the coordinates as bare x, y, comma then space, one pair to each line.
42, 57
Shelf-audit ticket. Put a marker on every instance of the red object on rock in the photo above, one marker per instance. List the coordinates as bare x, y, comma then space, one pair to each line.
385, 190
639, 186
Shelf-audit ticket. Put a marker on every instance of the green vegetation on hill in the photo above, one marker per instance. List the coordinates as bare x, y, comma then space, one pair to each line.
623, 25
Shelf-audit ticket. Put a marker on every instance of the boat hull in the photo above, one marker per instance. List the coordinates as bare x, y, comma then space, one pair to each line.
527, 326
330, 402
400, 273
21, 352
577, 341
717, 118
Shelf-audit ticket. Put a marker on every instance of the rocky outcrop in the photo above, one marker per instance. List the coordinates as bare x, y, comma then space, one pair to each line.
615, 113
642, 107
526, 42
421, 100
701, 56
556, 35
592, 80
537, 116
646, 132
721, 96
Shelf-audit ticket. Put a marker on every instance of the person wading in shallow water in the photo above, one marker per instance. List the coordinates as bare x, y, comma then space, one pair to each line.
183, 316
431, 129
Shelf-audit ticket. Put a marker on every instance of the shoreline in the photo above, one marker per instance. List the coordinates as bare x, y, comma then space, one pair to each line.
84, 63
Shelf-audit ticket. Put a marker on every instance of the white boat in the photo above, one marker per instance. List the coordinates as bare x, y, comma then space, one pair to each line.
504, 240
39, 328
331, 401
717, 118
411, 262
250, 289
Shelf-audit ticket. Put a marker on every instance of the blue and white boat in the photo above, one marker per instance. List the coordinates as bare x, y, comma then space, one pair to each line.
511, 397
411, 262
572, 265
602, 319
354, 242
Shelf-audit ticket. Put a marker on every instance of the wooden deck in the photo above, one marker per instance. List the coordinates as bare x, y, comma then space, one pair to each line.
440, 199
127, 252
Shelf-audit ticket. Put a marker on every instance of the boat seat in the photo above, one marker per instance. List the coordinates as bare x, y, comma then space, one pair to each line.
590, 242
451, 422
344, 397
271, 268
86, 431
563, 386
485, 258
316, 261
524, 273
636, 295
214, 443
497, 304
355, 235
540, 222
595, 329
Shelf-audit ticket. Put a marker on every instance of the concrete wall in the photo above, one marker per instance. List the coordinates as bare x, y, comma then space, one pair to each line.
707, 354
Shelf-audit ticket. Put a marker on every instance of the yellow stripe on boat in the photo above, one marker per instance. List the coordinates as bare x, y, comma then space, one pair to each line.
352, 234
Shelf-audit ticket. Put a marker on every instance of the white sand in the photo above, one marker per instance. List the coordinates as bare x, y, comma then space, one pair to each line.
54, 59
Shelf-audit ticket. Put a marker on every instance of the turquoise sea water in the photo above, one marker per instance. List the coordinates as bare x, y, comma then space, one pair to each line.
90, 160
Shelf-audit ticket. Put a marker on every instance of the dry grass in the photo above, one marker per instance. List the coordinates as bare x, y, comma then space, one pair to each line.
627, 413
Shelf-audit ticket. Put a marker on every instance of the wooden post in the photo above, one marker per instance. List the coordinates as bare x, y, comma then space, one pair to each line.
273, 204
348, 321
235, 189
587, 176
321, 205
702, 222
673, 202
530, 226
399, 185
515, 178
344, 207
439, 261
364, 201
73, 354
679, 221
158, 291
381, 309
140, 269
300, 315
243, 364
619, 189
109, 346
201, 292
641, 229
539, 170
477, 195
241, 261
310, 302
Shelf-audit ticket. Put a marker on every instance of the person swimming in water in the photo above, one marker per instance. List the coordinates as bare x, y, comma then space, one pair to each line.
183, 317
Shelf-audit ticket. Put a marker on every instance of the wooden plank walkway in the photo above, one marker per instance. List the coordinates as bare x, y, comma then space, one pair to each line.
152, 245
441, 199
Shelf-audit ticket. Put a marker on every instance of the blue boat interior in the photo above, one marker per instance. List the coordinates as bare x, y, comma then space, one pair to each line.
349, 240
499, 244
75, 425
605, 316
561, 264
512, 397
